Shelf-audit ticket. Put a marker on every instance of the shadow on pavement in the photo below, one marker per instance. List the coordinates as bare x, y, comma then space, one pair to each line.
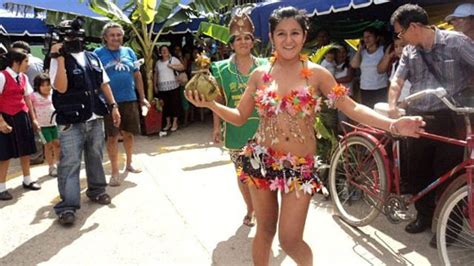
369, 247
45, 245
237, 250
206, 165
19, 191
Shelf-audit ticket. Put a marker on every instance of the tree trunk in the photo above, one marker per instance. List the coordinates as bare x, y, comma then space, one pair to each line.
149, 77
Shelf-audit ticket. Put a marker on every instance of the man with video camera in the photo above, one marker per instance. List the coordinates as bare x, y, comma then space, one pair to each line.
80, 84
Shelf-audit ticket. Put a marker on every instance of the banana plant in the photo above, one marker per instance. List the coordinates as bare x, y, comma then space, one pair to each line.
148, 13
140, 17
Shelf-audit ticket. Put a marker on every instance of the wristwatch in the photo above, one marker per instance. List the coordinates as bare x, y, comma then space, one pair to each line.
55, 55
112, 106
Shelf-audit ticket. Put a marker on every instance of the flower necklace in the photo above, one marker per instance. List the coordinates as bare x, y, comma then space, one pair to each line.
339, 91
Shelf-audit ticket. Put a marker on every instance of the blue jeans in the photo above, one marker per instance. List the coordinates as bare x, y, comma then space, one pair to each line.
74, 139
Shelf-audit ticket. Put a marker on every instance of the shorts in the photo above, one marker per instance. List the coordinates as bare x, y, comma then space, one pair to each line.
129, 120
21, 140
266, 168
50, 133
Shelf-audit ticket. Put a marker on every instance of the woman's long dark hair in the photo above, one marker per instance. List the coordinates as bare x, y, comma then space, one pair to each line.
15, 55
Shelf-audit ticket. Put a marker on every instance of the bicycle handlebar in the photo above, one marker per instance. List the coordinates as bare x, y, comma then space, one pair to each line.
442, 95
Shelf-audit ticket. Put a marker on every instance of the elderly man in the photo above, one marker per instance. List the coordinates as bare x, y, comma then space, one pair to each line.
462, 19
433, 58
124, 78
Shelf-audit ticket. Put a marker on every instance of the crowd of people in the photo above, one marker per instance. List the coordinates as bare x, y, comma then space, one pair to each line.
267, 108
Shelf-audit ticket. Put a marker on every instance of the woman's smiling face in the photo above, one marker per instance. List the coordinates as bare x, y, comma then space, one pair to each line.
242, 44
288, 38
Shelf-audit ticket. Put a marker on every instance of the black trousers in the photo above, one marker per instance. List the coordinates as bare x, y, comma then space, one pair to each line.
429, 159
371, 97
172, 102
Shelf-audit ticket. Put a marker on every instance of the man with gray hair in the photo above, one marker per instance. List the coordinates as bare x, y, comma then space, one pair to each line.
125, 77
462, 19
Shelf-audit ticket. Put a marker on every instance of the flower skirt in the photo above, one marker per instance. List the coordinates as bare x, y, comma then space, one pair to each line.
266, 168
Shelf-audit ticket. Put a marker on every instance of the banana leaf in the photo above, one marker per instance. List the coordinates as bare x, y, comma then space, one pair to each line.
146, 9
214, 31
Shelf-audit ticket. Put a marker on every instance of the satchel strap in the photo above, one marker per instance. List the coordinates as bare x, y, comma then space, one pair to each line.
429, 64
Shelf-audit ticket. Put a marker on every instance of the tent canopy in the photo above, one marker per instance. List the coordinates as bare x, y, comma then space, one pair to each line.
33, 8
18, 26
74, 7
347, 18
262, 11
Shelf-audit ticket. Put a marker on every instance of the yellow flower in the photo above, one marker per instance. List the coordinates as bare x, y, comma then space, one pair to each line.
273, 58
303, 57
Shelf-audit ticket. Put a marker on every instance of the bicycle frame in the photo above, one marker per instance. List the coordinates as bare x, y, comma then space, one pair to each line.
392, 168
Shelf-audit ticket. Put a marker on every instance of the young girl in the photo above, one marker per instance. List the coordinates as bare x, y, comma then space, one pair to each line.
390, 62
44, 109
17, 120
329, 61
287, 95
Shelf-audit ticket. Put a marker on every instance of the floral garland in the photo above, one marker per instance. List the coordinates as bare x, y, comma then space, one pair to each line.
279, 161
299, 101
338, 92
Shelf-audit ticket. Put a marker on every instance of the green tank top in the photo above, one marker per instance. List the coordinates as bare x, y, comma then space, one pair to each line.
234, 85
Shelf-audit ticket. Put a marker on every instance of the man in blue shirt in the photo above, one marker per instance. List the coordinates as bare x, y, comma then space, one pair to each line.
125, 77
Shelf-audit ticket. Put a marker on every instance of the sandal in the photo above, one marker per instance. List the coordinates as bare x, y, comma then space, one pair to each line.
167, 127
103, 199
114, 181
134, 170
249, 220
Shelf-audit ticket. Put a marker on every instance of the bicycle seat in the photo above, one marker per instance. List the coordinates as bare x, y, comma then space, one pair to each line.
382, 108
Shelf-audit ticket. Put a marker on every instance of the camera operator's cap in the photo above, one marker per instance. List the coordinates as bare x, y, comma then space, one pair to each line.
462, 11
241, 23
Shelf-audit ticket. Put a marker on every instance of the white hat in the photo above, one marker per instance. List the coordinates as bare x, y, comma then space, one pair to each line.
462, 11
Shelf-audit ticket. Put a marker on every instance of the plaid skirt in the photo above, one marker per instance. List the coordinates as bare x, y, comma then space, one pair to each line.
21, 140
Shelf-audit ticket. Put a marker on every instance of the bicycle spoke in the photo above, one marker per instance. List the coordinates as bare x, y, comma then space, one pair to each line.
357, 181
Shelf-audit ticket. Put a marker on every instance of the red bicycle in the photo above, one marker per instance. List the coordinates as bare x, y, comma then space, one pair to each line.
364, 181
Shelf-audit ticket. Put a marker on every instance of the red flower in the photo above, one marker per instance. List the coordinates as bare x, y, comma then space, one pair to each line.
306, 73
266, 77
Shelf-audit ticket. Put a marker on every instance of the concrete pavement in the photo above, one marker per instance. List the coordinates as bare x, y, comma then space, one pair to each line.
183, 209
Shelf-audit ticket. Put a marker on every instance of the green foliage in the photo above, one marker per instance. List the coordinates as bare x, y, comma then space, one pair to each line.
325, 126
214, 31
109, 9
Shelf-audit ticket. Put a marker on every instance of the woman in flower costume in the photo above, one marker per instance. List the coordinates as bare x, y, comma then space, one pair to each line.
232, 75
288, 95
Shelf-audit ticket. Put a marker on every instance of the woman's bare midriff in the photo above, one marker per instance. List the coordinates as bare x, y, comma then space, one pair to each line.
289, 135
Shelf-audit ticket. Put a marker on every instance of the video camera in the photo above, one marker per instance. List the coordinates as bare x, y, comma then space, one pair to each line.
68, 32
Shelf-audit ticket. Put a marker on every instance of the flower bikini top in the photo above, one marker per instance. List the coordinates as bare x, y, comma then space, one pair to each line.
300, 102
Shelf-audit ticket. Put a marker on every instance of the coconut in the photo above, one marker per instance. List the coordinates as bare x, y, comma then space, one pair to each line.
203, 81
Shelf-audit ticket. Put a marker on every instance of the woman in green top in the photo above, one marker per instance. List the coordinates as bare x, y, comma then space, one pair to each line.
232, 75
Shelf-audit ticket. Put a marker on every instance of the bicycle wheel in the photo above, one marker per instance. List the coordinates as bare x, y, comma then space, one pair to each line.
455, 237
357, 162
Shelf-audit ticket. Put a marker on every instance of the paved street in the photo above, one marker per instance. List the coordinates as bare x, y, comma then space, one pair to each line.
184, 209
